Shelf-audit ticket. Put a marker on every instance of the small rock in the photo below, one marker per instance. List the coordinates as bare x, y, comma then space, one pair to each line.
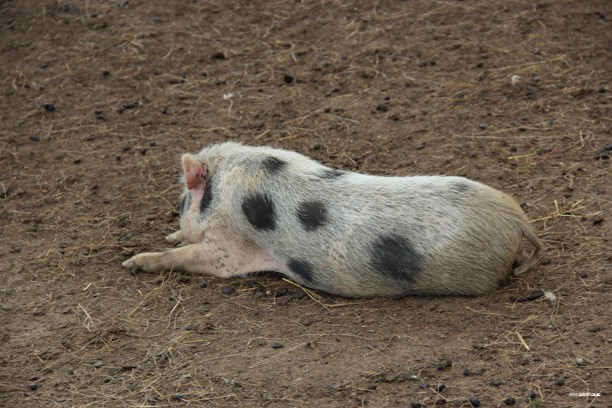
203, 283
415, 405
441, 387
204, 308
545, 150
391, 377
598, 219
177, 396
297, 294
496, 383
106, 380
382, 108
190, 327
466, 372
444, 364
604, 152
482, 126
474, 401
282, 291
581, 362
532, 395
49, 107
35, 138
526, 358
218, 56
288, 78
152, 143
594, 328
229, 290
33, 386
510, 401
560, 381
276, 345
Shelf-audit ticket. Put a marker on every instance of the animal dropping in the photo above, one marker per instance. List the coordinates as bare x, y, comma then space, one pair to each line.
249, 209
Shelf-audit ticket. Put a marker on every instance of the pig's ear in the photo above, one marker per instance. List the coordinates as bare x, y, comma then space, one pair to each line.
194, 170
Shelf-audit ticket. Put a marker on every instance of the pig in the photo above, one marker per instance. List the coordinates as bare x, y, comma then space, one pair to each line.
249, 209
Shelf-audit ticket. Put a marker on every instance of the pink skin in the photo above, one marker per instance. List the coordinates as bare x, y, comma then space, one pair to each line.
218, 252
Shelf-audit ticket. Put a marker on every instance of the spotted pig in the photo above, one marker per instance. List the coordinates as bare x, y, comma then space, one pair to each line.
248, 209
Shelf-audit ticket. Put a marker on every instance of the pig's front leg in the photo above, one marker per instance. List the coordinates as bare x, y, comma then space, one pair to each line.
223, 258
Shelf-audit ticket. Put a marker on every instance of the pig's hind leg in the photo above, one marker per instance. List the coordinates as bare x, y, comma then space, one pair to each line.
221, 257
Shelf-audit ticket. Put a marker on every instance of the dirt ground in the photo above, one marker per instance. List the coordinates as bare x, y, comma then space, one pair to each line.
99, 100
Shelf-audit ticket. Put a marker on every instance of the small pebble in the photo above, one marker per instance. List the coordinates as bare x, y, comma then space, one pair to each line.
106, 380
35, 138
177, 396
445, 364
441, 387
276, 345
415, 405
594, 328
496, 383
391, 377
509, 401
203, 283
560, 381
526, 358
382, 108
218, 56
229, 290
143, 151
580, 362
49, 107
466, 372
282, 291
288, 78
474, 401
152, 143
532, 395
33, 386
482, 126
190, 327
204, 308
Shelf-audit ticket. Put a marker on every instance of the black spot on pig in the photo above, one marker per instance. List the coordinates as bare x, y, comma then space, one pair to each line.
302, 268
312, 214
183, 204
259, 211
208, 196
396, 258
273, 164
331, 174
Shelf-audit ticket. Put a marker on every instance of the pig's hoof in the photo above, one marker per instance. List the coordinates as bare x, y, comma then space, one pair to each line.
129, 264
